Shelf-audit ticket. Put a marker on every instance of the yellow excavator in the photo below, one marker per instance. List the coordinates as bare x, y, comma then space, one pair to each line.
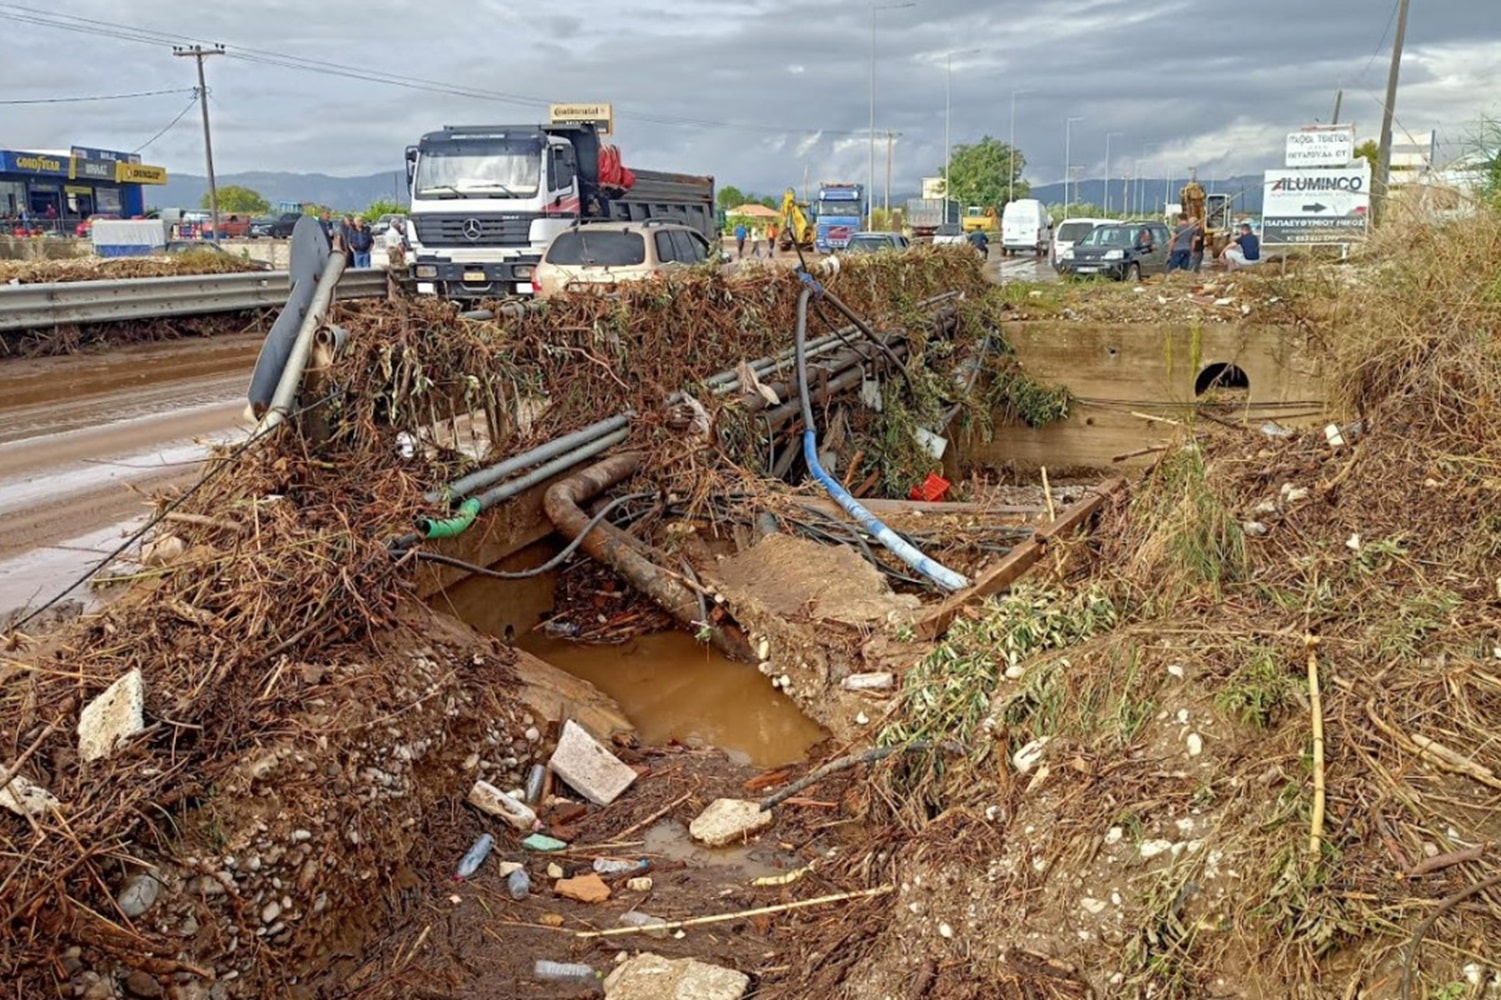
978, 219
793, 224
1212, 212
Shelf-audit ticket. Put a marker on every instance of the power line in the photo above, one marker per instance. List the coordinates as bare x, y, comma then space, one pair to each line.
97, 97
122, 32
1382, 43
168, 127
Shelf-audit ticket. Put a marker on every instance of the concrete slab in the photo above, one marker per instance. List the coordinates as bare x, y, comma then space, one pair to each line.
652, 977
24, 798
728, 821
112, 718
588, 768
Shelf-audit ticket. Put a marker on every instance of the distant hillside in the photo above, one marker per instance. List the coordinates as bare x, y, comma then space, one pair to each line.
1247, 190
187, 190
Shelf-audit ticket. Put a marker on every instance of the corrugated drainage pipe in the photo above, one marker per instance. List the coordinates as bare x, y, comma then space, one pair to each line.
606, 543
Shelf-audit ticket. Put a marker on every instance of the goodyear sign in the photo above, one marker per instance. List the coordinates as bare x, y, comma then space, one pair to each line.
601, 114
40, 164
140, 173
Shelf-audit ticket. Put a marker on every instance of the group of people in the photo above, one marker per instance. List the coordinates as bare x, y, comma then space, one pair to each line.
742, 233
1185, 248
353, 238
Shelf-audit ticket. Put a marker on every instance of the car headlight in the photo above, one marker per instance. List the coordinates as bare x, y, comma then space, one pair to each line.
426, 271
1067, 254
1114, 254
524, 272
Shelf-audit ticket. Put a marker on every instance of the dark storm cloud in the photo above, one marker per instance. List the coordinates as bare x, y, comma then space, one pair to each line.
762, 94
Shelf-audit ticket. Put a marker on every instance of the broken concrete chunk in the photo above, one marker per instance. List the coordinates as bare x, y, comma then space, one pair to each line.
588, 888
24, 798
112, 718
487, 798
727, 821
652, 977
877, 681
588, 768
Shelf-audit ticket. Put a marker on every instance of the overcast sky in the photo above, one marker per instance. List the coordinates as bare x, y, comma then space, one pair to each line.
758, 93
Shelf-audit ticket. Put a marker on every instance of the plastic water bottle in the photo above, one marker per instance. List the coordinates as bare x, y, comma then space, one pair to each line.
470, 863
564, 972
651, 926
519, 884
609, 866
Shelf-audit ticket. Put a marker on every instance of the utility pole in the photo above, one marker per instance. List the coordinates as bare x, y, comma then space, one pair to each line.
1339, 98
1384, 156
1108, 137
198, 52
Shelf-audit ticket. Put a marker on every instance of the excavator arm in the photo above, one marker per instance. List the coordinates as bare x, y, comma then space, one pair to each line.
793, 225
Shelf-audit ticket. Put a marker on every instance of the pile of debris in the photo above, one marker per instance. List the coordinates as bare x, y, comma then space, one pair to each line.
206, 261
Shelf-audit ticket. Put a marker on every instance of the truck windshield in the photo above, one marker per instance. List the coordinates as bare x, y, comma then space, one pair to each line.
850, 209
1071, 231
603, 248
510, 169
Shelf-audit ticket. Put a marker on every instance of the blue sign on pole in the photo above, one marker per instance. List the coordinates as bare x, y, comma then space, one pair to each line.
111, 155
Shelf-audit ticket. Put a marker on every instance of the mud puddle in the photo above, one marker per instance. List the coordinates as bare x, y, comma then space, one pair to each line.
676, 689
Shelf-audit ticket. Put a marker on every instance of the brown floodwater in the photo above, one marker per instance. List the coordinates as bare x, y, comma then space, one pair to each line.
674, 688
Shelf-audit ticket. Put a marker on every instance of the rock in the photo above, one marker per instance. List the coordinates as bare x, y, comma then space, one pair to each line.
162, 550
93, 987
1028, 756
1195, 744
878, 681
554, 870
270, 912
588, 768
641, 883
727, 821
24, 798
113, 717
652, 977
138, 894
1255, 528
487, 798
588, 888
143, 984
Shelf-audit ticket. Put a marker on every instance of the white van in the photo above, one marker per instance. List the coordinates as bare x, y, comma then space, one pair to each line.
1026, 227
1071, 231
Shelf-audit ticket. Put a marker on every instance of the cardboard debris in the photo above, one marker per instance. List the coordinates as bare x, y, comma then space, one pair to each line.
588, 888
588, 768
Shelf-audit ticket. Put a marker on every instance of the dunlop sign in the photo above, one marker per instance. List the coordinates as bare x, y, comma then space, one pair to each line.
1312, 206
140, 173
1320, 147
601, 114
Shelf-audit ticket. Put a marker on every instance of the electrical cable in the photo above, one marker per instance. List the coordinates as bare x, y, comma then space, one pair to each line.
525, 574
168, 127
98, 97
225, 462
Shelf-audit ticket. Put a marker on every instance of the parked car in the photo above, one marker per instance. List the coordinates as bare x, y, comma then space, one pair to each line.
208, 246
600, 255
950, 233
1123, 251
83, 228
260, 228
876, 242
1026, 227
281, 228
1071, 231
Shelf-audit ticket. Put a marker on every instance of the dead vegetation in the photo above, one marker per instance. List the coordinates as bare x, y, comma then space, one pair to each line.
1242, 745
31, 272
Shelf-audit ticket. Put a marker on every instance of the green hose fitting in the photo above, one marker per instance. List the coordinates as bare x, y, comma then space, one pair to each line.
450, 527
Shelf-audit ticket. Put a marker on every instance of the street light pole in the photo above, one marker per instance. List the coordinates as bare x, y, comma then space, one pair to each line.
1068, 163
1142, 194
1108, 136
870, 176
1011, 164
948, 86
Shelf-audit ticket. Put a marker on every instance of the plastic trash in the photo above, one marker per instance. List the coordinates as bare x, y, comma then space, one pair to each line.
471, 861
542, 842
487, 798
519, 884
561, 629
564, 972
610, 866
650, 926
534, 779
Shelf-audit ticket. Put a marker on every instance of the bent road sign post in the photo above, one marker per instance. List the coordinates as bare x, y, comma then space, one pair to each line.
1311, 206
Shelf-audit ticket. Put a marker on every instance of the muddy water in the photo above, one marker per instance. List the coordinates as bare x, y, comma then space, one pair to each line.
673, 688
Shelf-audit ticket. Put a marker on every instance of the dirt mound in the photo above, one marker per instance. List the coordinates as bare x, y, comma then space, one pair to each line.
32, 272
1241, 742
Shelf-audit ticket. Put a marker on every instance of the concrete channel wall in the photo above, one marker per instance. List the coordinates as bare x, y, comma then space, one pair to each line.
1117, 371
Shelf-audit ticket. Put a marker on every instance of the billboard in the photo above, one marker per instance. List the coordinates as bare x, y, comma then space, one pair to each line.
1320, 146
1316, 205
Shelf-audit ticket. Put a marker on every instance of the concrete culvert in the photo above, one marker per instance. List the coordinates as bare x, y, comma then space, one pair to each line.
1221, 375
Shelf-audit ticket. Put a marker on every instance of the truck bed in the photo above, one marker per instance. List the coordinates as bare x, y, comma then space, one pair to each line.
658, 194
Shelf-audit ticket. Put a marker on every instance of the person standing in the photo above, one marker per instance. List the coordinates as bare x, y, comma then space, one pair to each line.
1196, 255
1180, 245
361, 241
740, 235
395, 241
771, 240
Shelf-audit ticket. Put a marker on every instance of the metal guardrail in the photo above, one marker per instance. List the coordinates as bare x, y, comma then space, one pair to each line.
42, 306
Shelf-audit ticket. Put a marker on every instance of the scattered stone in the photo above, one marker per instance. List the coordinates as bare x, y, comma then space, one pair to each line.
143, 985
727, 821
1176, 669
551, 919
589, 888
1255, 528
1195, 744
26, 799
862, 719
487, 798
162, 550
554, 870
641, 883
533, 734
878, 681
138, 894
945, 931
112, 718
588, 768
652, 977
1028, 756
1152, 848
1092, 906
270, 912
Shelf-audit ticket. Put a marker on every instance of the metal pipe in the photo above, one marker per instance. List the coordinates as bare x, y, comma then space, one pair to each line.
606, 543
291, 375
542, 473
481, 478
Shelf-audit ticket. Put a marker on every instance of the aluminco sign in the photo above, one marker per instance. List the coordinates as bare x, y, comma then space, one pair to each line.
1334, 181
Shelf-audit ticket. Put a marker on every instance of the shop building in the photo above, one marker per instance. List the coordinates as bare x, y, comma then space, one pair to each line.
64, 187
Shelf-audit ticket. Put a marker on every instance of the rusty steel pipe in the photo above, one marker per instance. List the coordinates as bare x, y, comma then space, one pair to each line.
563, 503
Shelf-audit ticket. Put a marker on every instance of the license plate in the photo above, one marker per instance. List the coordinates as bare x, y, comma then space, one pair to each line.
524, 288
474, 275
1087, 269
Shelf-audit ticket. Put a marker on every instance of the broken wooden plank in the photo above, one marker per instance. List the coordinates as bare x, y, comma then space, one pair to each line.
1018, 560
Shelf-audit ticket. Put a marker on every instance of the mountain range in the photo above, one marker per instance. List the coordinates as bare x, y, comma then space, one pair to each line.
355, 193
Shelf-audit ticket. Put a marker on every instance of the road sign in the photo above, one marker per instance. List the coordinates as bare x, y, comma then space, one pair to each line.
1310, 206
1321, 146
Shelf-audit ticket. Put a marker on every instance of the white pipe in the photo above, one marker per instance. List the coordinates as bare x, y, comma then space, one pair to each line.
291, 375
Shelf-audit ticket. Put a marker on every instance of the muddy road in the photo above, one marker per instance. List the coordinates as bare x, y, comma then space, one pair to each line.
85, 440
